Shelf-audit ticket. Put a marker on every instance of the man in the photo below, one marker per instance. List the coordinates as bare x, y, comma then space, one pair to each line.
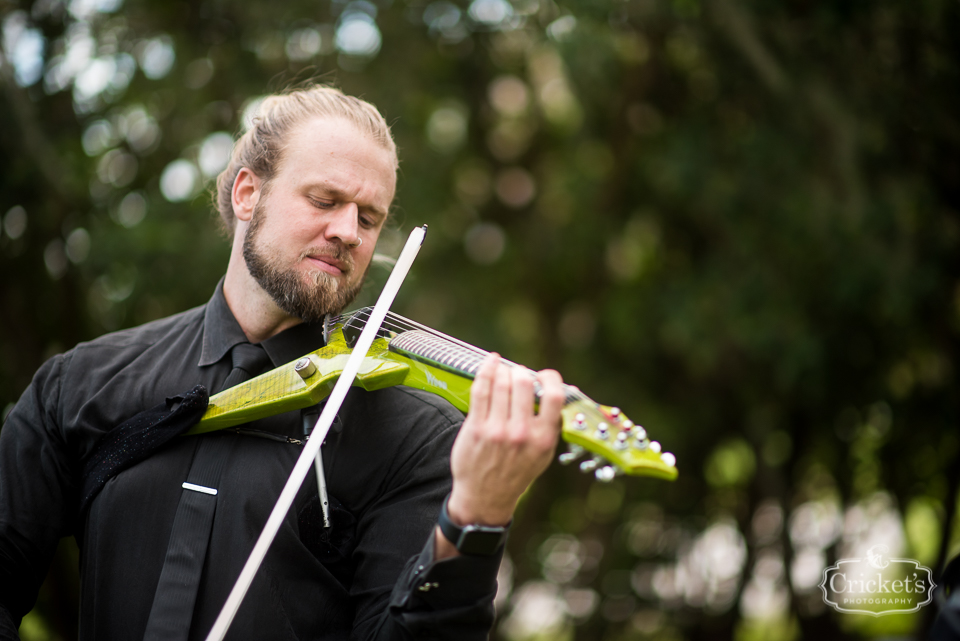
306, 194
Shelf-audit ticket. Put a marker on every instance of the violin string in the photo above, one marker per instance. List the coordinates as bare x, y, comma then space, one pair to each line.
571, 393
395, 321
570, 390
401, 322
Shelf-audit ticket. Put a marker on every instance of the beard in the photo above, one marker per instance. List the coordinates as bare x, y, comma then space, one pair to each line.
288, 287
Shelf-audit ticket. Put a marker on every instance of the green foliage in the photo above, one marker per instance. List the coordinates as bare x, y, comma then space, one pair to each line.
736, 220
732, 463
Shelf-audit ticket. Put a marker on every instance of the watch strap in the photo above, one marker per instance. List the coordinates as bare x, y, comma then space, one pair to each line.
475, 540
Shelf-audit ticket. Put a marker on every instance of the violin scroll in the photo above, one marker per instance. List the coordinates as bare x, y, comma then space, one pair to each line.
619, 445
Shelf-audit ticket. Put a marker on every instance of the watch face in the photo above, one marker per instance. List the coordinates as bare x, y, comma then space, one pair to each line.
480, 540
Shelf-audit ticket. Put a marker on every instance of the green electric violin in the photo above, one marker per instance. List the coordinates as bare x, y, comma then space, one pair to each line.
408, 353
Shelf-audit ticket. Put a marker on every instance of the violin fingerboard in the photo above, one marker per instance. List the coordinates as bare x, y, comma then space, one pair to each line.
435, 350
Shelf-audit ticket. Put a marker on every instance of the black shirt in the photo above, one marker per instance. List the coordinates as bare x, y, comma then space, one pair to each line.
387, 470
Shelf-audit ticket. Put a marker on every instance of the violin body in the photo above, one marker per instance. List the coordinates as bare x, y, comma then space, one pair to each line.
406, 353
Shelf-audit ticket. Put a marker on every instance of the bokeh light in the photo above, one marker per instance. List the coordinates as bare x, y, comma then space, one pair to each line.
156, 56
179, 181
358, 35
215, 153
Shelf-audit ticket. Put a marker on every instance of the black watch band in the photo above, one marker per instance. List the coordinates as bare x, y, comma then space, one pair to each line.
475, 540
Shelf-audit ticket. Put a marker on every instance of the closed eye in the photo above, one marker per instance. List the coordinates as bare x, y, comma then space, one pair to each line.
367, 219
368, 222
321, 204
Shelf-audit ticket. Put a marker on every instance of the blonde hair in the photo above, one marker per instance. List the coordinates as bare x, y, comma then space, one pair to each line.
260, 148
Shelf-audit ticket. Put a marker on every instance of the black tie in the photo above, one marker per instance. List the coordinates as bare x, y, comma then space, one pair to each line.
248, 361
176, 595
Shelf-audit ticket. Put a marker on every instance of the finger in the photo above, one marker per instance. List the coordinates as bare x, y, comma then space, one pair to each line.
482, 388
521, 401
552, 399
500, 398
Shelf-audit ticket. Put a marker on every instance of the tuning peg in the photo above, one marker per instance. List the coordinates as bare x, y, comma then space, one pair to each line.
580, 421
655, 447
614, 412
639, 432
591, 464
605, 474
573, 452
623, 439
668, 459
603, 431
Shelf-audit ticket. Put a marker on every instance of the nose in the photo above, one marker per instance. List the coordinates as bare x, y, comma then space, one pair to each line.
343, 224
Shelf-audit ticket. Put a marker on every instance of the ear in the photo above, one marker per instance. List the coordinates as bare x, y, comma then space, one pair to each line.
246, 194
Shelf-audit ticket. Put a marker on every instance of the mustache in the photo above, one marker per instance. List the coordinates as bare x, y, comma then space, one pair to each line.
334, 250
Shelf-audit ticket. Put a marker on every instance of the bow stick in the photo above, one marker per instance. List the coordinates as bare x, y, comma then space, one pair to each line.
319, 433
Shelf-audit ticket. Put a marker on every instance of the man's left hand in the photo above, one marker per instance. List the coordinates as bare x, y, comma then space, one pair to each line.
503, 445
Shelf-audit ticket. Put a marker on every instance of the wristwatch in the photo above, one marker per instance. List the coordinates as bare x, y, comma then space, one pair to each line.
475, 540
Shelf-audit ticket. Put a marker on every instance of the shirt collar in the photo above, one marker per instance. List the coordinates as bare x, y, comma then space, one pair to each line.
221, 332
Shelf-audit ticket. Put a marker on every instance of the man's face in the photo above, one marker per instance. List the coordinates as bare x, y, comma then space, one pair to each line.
333, 188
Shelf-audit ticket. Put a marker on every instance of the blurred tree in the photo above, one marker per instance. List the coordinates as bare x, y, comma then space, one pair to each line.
736, 220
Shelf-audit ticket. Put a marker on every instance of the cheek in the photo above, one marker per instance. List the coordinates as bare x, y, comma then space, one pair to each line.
363, 257
297, 230
279, 242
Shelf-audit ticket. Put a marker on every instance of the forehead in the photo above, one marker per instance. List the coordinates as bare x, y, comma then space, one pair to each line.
336, 150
